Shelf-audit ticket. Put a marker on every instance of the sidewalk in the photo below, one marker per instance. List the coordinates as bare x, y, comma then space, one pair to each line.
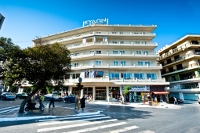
163, 105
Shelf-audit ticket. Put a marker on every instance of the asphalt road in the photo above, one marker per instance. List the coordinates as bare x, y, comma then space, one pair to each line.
114, 119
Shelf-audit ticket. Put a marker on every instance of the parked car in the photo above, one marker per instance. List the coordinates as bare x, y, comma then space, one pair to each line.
7, 96
47, 97
22, 95
171, 100
69, 99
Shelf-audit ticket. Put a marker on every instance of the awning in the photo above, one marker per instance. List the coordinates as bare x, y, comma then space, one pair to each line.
161, 93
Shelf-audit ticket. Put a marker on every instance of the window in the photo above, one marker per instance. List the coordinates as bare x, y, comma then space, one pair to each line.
120, 32
121, 42
123, 63
76, 64
113, 76
114, 32
74, 75
138, 52
147, 63
127, 75
71, 55
91, 52
122, 52
98, 52
116, 63
151, 76
137, 42
115, 52
98, 63
98, 74
76, 54
91, 63
145, 52
140, 63
139, 76
115, 42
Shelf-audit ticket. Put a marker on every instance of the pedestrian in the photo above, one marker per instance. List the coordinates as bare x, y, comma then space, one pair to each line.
83, 103
155, 100
76, 101
175, 101
90, 98
41, 102
51, 101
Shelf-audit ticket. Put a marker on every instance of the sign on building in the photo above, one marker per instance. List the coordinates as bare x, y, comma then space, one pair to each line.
97, 21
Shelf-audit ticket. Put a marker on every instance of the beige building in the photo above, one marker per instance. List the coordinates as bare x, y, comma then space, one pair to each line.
181, 68
109, 57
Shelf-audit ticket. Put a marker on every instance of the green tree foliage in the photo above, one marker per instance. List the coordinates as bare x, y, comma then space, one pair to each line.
40, 65
126, 90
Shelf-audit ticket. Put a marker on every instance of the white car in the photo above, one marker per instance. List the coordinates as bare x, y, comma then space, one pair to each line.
7, 96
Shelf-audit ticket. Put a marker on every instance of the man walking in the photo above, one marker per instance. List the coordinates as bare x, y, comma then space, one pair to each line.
175, 101
51, 101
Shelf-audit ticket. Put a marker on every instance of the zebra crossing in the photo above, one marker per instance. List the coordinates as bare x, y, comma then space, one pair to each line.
8, 109
86, 123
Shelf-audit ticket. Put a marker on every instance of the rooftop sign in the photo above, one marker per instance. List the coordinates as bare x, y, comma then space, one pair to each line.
97, 21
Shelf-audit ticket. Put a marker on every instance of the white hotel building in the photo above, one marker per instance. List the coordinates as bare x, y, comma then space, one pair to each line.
109, 57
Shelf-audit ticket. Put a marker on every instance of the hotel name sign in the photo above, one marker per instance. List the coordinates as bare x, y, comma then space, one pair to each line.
97, 21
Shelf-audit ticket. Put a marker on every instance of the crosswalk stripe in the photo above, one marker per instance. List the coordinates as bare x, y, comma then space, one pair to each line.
97, 128
123, 129
147, 131
63, 122
74, 125
75, 117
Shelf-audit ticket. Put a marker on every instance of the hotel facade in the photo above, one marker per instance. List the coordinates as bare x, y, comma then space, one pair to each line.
181, 67
110, 57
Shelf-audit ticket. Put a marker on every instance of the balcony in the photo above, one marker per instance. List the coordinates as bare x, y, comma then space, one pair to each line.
111, 66
102, 33
110, 55
186, 57
118, 81
126, 44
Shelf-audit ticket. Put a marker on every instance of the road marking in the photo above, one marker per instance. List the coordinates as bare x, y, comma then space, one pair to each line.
97, 128
123, 129
8, 107
74, 125
75, 117
62, 122
147, 131
9, 110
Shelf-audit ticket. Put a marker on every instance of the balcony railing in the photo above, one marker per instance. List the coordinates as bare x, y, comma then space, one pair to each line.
182, 58
99, 33
106, 79
111, 66
110, 54
111, 43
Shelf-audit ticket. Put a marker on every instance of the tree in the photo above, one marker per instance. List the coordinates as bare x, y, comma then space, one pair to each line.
126, 90
41, 65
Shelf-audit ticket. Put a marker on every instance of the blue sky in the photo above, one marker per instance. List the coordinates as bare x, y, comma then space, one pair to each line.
26, 19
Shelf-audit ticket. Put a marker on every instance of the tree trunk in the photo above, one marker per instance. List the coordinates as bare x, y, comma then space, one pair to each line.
21, 109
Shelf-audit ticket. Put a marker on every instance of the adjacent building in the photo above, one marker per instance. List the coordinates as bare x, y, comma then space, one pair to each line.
1, 19
109, 57
181, 67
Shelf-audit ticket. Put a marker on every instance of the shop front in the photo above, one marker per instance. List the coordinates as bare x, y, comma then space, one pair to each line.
138, 93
